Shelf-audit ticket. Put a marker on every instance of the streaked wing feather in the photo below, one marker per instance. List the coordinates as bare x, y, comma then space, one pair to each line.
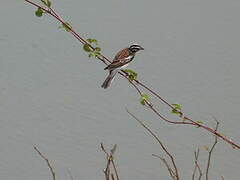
121, 54
117, 64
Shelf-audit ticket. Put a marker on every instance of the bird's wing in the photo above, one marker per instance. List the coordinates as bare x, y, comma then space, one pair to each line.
121, 54
117, 64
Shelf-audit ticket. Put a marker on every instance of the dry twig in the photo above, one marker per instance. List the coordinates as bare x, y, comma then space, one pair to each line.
172, 174
47, 161
211, 150
197, 167
175, 172
110, 161
70, 174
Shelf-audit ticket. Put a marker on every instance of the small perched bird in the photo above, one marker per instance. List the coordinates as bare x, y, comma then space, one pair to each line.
120, 61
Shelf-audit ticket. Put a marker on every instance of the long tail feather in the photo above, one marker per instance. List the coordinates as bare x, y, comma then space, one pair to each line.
109, 79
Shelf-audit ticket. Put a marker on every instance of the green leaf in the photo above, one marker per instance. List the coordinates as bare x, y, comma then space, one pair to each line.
177, 109
66, 26
131, 74
144, 98
87, 48
90, 55
177, 106
93, 54
39, 12
48, 3
91, 48
199, 122
98, 49
93, 41
97, 53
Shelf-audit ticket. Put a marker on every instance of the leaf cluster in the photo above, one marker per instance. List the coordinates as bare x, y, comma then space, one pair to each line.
92, 48
39, 12
67, 26
177, 109
144, 98
131, 74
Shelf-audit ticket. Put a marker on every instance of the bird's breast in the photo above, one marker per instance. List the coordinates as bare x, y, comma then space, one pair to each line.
129, 57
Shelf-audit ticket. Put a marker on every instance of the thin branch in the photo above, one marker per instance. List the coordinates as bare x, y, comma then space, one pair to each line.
38, 6
113, 150
104, 150
159, 142
104, 59
172, 174
70, 174
110, 161
211, 150
197, 167
107, 169
115, 170
47, 161
112, 176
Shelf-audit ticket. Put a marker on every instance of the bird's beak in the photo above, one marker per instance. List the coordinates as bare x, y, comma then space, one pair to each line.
142, 48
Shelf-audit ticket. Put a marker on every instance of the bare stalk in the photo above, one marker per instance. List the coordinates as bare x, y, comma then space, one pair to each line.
47, 161
110, 161
211, 150
171, 172
197, 167
70, 174
161, 144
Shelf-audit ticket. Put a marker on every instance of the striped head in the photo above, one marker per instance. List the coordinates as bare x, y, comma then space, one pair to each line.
135, 48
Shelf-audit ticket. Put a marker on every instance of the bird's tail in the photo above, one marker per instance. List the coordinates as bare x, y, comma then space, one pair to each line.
109, 79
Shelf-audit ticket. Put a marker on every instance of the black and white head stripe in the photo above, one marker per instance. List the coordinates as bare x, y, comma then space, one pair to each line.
135, 48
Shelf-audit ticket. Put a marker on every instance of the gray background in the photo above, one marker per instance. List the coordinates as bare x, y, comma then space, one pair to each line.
51, 96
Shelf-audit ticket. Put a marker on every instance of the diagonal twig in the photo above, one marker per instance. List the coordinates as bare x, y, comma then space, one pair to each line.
70, 174
172, 174
197, 167
110, 161
159, 142
211, 150
47, 161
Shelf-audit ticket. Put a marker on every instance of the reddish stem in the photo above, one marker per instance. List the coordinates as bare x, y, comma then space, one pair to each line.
103, 58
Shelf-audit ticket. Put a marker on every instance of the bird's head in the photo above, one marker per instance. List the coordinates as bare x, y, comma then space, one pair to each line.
135, 48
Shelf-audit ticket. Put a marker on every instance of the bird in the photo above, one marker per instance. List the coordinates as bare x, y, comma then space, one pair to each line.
120, 61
